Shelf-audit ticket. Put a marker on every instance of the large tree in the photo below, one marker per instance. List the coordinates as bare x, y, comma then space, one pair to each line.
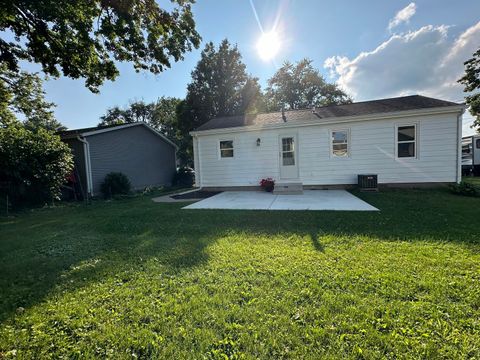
22, 95
471, 80
300, 85
84, 38
220, 86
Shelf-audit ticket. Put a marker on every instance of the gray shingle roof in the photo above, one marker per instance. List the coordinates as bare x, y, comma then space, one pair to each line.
404, 103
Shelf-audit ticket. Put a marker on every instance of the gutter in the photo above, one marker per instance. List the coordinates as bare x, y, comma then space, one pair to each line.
88, 165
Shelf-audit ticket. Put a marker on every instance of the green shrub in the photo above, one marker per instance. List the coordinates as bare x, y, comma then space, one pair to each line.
115, 183
465, 189
33, 165
184, 176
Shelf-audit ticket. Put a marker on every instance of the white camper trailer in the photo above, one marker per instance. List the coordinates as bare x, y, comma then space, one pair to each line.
471, 155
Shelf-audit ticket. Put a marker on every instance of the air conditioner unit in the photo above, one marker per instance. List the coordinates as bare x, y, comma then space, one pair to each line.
368, 182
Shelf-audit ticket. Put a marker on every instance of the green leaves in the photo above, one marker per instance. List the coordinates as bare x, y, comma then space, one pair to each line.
471, 80
220, 86
161, 115
22, 94
83, 39
301, 86
35, 164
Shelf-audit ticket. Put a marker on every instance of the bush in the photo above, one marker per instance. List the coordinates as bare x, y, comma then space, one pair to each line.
465, 189
33, 165
184, 176
115, 183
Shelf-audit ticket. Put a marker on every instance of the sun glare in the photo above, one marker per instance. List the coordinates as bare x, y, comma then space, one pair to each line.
268, 45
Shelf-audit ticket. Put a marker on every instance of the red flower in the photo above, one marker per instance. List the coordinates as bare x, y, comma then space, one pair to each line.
268, 184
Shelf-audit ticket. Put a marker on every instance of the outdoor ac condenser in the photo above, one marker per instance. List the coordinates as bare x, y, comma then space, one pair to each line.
368, 182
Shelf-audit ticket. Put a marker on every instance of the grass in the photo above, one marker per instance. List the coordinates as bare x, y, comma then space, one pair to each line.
136, 279
472, 180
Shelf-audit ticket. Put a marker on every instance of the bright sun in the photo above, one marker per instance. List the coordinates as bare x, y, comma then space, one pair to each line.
268, 45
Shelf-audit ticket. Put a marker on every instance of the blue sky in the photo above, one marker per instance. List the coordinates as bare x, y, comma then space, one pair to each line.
351, 42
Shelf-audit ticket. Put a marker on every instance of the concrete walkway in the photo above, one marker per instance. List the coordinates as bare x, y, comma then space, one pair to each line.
168, 198
309, 200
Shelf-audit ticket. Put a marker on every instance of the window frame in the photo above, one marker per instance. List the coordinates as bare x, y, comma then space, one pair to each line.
220, 149
415, 141
293, 151
332, 155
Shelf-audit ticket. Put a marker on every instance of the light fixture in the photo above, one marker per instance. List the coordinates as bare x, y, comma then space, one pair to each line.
258, 141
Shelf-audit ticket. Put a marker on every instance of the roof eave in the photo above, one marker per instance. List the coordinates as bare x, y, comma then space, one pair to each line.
460, 108
100, 131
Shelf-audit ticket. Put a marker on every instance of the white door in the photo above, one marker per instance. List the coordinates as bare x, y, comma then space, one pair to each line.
288, 156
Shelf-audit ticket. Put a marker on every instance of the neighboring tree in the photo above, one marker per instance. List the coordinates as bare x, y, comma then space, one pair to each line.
471, 81
84, 39
21, 94
34, 164
216, 86
252, 99
115, 116
220, 86
299, 86
164, 117
160, 115
135, 112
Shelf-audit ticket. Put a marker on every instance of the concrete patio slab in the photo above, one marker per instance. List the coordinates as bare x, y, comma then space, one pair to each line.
309, 200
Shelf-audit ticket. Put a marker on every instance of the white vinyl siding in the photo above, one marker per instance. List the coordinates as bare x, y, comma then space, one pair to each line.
371, 148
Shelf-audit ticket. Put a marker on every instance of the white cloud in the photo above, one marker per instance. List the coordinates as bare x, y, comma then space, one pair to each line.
403, 15
427, 61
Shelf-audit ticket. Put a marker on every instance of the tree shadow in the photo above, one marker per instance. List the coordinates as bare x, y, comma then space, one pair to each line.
316, 243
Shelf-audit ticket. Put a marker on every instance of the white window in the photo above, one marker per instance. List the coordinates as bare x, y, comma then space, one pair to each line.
288, 151
340, 143
226, 148
406, 141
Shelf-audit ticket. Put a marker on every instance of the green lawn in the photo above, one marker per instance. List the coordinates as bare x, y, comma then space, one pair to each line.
135, 279
472, 180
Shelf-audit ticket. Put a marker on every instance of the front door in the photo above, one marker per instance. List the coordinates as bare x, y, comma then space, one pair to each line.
288, 157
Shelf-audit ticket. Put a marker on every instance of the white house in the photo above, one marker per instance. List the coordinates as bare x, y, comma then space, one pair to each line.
405, 140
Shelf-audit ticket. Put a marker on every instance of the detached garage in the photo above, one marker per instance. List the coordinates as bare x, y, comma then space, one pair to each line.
139, 151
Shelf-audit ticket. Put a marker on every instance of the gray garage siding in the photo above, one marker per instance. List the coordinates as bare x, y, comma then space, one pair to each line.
137, 152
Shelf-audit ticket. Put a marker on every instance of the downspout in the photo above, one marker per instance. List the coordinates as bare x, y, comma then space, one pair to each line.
196, 162
459, 147
88, 165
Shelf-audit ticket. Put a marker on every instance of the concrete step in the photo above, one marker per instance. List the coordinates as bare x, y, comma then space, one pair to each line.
288, 188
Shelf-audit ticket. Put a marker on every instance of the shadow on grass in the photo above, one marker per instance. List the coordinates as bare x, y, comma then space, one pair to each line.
316, 243
46, 249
